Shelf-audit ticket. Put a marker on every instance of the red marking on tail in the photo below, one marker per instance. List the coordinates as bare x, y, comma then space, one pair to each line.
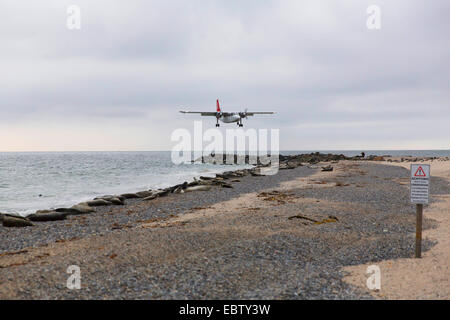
218, 106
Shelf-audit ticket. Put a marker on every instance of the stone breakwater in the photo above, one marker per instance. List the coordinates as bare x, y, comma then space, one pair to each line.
221, 180
311, 158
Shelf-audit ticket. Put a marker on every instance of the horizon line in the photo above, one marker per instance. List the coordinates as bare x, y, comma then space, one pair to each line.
285, 150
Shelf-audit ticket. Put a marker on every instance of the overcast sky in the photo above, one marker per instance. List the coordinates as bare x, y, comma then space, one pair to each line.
119, 82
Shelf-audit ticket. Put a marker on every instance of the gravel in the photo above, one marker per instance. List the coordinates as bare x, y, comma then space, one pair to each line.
375, 222
103, 221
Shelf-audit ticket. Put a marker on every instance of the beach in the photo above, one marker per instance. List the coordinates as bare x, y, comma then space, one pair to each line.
425, 278
303, 233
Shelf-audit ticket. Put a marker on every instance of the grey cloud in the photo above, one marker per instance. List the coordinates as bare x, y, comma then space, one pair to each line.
314, 62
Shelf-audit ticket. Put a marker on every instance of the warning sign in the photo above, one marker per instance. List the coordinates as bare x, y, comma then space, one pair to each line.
420, 183
420, 172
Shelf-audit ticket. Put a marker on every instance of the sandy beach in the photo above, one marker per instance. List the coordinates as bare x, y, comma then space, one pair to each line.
425, 278
300, 234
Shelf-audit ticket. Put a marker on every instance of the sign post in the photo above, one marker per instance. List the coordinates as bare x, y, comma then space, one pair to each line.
420, 184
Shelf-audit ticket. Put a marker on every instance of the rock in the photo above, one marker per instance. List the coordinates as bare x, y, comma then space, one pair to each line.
47, 216
98, 203
15, 222
378, 158
198, 188
327, 168
206, 178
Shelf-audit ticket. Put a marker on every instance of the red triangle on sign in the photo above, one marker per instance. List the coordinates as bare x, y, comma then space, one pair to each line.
420, 173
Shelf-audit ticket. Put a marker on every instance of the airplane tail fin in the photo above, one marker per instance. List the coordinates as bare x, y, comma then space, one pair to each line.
218, 106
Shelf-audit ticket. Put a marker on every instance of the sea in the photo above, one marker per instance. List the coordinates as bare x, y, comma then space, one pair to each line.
31, 181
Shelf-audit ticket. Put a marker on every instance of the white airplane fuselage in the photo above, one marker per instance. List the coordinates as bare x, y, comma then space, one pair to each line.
230, 119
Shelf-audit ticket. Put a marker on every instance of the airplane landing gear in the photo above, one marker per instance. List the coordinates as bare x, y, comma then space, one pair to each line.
217, 124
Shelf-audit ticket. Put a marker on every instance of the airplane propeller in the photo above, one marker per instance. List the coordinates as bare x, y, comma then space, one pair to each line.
243, 114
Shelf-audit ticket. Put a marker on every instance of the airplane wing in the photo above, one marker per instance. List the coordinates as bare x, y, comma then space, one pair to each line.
258, 112
202, 113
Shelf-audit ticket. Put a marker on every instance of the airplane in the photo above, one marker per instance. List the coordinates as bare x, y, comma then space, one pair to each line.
228, 117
